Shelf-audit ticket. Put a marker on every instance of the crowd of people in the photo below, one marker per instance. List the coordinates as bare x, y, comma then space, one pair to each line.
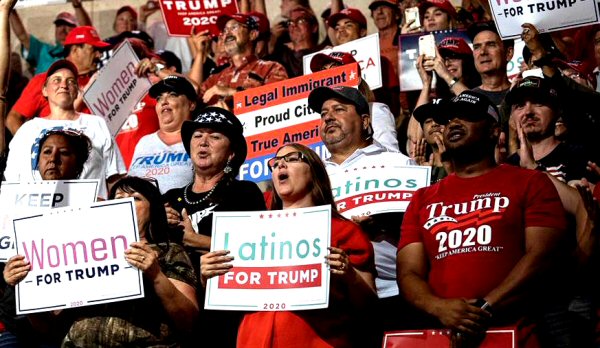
505, 235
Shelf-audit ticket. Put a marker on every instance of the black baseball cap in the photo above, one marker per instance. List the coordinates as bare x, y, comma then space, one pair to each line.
533, 88
429, 110
468, 105
174, 83
320, 95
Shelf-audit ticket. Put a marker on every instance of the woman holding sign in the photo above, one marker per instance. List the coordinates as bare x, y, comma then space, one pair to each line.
215, 142
300, 180
169, 309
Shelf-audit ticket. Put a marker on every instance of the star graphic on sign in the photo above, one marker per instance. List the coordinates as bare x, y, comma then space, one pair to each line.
270, 216
238, 105
262, 216
352, 75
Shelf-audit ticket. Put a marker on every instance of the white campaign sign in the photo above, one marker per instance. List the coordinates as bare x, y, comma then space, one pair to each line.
278, 260
377, 185
546, 15
26, 198
366, 52
77, 257
33, 3
117, 89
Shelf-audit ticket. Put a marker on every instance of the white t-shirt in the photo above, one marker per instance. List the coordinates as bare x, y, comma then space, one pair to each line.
170, 165
385, 253
384, 126
105, 159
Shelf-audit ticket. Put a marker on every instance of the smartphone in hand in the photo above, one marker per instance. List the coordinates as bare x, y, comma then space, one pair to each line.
427, 45
412, 13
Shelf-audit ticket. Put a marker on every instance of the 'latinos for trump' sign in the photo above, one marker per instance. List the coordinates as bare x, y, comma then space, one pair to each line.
77, 257
380, 185
278, 260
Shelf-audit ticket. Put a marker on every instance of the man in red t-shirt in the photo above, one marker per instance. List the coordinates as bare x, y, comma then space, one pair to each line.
472, 244
83, 46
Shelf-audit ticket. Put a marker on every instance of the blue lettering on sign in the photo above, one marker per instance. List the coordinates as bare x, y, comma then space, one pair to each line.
173, 159
256, 169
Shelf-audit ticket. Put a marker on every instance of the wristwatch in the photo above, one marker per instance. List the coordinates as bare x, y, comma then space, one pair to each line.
453, 82
158, 67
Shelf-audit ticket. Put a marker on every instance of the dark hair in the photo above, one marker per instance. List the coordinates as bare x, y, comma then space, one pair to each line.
80, 144
321, 186
470, 77
158, 230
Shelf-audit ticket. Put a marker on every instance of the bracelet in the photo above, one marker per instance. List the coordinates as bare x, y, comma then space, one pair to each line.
453, 82
483, 304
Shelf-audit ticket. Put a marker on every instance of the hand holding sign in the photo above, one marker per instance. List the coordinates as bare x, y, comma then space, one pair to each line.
214, 263
16, 269
142, 257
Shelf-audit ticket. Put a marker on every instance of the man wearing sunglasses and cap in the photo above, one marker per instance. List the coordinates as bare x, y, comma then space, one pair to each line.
82, 48
40, 55
475, 247
240, 32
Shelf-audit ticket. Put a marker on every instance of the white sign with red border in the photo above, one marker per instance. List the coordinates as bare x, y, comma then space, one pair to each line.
183, 17
77, 257
34, 3
546, 15
377, 185
117, 89
366, 52
278, 260
23, 198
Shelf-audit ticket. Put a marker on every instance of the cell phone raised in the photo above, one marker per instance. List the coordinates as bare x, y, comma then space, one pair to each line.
427, 45
412, 14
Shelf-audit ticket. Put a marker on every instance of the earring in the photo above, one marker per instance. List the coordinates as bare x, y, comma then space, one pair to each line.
228, 168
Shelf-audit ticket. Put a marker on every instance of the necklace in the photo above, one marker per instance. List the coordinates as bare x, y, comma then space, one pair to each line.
208, 194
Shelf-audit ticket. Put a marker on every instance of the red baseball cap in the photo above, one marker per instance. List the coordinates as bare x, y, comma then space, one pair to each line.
321, 59
66, 17
246, 19
453, 46
85, 35
390, 3
444, 5
352, 14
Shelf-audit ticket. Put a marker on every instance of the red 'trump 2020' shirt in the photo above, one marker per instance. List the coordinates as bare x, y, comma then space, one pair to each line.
473, 229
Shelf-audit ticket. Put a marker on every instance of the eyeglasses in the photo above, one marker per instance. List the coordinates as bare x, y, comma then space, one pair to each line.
232, 29
297, 22
292, 157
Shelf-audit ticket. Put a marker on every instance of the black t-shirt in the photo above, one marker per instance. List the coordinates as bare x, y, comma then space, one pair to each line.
566, 162
234, 195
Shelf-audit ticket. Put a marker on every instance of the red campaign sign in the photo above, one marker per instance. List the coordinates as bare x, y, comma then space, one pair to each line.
281, 277
494, 338
183, 16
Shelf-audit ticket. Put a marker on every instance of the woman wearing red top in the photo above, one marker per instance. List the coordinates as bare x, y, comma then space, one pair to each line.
300, 180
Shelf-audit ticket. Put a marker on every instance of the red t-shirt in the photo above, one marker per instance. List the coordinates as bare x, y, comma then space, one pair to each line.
473, 229
297, 329
142, 121
32, 102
